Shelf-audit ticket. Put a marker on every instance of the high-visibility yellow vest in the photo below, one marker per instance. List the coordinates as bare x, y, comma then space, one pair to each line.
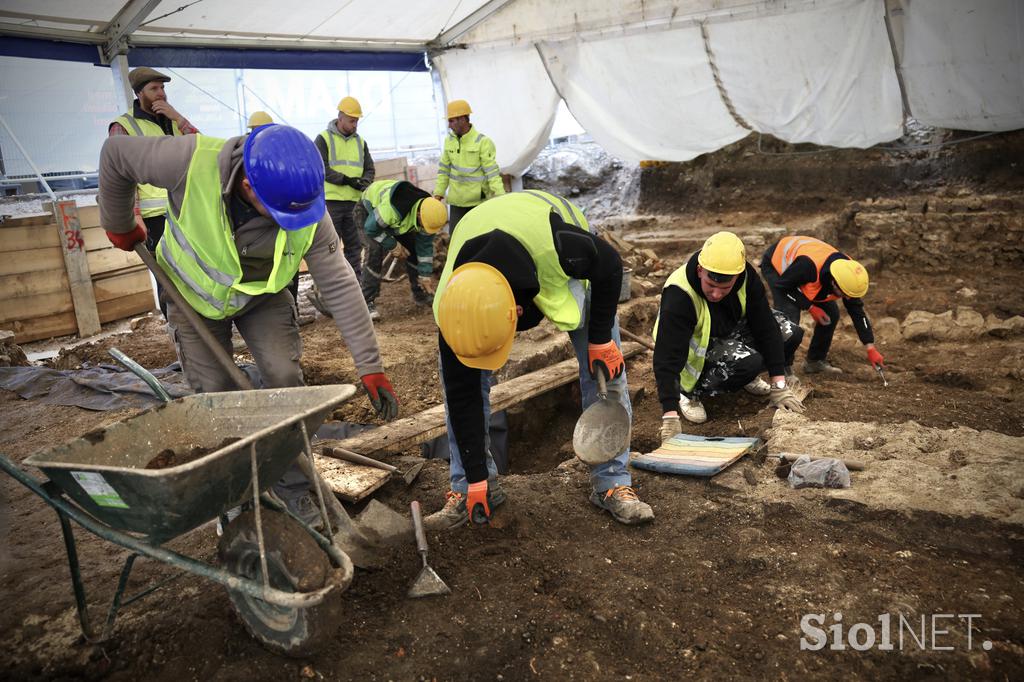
791, 248
345, 155
198, 249
467, 170
378, 195
152, 200
701, 338
526, 217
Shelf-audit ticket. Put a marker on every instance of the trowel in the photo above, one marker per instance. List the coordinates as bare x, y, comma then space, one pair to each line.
428, 582
603, 429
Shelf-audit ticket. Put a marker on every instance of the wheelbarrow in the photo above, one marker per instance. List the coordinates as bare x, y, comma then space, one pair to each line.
283, 578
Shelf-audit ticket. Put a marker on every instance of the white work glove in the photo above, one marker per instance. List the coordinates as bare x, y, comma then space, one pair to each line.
783, 398
398, 252
427, 282
670, 426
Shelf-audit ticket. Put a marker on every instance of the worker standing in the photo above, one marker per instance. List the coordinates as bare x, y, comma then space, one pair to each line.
242, 215
715, 333
348, 170
513, 261
468, 170
400, 217
805, 273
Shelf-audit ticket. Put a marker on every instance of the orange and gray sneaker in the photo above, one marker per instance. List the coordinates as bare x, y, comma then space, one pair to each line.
453, 513
623, 504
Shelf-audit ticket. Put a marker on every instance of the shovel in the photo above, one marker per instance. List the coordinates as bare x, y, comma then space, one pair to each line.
354, 457
603, 429
428, 582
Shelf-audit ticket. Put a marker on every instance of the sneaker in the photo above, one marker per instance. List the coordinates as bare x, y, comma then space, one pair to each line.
623, 504
307, 509
820, 367
374, 314
692, 410
453, 513
758, 387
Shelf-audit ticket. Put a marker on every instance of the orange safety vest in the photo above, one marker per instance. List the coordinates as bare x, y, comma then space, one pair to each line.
791, 248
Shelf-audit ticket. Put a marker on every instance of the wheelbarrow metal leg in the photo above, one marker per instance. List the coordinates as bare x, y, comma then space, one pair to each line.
76, 577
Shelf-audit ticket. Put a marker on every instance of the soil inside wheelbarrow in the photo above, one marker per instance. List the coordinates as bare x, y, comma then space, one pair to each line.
168, 458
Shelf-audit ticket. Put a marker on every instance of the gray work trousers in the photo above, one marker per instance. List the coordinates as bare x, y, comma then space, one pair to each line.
271, 331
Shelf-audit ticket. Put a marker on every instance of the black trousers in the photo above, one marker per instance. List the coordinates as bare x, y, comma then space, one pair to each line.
154, 231
455, 214
349, 231
821, 339
733, 362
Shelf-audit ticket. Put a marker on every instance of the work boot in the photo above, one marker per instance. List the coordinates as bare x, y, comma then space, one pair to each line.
758, 387
422, 298
453, 513
693, 410
820, 367
307, 509
623, 504
374, 314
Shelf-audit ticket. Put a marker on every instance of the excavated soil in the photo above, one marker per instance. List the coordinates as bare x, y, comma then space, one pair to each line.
716, 587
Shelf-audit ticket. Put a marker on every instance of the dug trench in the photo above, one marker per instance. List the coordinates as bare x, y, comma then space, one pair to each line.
716, 586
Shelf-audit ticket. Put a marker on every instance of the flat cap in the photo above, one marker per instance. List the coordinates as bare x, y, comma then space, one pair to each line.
142, 75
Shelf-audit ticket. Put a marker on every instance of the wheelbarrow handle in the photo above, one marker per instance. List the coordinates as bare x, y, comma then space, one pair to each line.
237, 375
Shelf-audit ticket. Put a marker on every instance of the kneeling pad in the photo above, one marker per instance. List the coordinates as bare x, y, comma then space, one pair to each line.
695, 455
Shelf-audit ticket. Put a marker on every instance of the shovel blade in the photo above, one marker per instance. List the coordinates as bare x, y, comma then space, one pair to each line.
602, 432
428, 584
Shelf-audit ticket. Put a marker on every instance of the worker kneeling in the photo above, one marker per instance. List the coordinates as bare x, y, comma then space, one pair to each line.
716, 333
242, 215
515, 260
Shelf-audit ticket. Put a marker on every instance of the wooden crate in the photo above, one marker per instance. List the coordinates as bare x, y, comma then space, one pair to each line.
37, 297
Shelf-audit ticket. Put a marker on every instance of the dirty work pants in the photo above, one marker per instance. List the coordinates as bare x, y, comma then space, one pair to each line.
154, 231
369, 281
821, 340
349, 231
603, 477
271, 332
733, 362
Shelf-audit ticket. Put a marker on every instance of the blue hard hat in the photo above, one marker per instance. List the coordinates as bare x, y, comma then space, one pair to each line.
287, 174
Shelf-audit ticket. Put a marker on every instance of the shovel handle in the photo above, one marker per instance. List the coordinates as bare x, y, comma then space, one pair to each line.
356, 458
634, 337
417, 524
237, 375
602, 385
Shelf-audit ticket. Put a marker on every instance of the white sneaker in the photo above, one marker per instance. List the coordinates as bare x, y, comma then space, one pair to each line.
758, 387
692, 410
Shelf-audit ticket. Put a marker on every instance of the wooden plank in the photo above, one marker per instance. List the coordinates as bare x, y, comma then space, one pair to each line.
70, 232
128, 283
21, 221
106, 260
126, 306
31, 260
89, 216
29, 237
350, 482
60, 324
24, 308
33, 283
389, 169
96, 238
405, 433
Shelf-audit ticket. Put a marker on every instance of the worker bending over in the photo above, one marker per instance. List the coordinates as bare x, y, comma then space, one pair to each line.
400, 217
715, 333
805, 273
242, 214
515, 260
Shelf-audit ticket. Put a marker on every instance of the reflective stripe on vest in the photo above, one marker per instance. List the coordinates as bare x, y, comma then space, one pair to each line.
152, 199
467, 184
526, 217
384, 212
701, 339
346, 155
198, 249
791, 248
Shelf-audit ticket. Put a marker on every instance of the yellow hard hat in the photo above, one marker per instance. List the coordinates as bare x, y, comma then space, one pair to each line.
477, 316
433, 215
851, 277
724, 254
350, 107
458, 107
259, 118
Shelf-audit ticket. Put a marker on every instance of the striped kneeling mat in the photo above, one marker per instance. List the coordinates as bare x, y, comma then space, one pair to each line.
695, 455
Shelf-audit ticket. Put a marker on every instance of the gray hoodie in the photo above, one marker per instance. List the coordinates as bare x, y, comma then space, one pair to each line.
164, 161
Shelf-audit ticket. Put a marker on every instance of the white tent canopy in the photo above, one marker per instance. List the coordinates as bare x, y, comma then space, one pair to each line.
649, 79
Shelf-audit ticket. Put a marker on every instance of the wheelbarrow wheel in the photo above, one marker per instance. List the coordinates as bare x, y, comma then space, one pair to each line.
296, 564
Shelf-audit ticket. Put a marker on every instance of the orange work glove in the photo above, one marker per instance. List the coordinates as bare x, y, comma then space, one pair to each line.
821, 318
126, 241
875, 358
476, 503
606, 357
381, 394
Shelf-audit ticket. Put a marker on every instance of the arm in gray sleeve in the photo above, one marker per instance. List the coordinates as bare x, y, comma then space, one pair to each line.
126, 162
340, 292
